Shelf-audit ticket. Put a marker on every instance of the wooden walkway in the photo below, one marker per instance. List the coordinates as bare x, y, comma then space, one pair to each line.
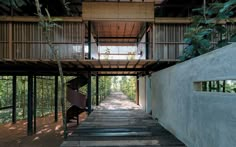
121, 123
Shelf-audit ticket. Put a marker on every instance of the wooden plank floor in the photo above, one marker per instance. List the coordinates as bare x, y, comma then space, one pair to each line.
120, 123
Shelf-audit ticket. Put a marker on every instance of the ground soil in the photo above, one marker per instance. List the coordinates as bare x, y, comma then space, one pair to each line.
48, 134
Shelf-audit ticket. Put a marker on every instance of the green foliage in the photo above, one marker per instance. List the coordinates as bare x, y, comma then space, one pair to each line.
205, 26
45, 97
14, 3
104, 88
128, 87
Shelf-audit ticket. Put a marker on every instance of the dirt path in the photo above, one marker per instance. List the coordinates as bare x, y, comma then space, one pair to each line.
117, 101
49, 133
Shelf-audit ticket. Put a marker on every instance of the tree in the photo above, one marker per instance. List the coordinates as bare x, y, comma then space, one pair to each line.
207, 24
47, 25
128, 87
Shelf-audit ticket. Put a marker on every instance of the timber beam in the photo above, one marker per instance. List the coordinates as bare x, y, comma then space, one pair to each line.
36, 19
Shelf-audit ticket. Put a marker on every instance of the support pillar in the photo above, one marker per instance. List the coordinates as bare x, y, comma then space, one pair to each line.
30, 106
56, 99
89, 40
14, 99
97, 90
137, 90
35, 103
89, 98
147, 42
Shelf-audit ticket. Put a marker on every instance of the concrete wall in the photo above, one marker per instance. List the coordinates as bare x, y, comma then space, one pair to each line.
142, 92
199, 119
148, 95
145, 100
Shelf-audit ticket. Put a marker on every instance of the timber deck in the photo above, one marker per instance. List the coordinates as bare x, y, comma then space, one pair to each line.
119, 122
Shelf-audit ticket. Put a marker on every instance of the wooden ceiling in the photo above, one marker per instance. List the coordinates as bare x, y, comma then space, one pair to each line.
117, 33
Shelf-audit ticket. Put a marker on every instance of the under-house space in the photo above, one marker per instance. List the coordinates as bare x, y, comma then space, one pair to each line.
120, 73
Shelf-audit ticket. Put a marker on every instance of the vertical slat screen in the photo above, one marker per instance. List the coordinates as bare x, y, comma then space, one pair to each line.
4, 40
168, 41
29, 41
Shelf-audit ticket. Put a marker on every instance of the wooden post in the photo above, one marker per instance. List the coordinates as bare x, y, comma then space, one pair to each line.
30, 104
35, 103
56, 99
14, 99
10, 49
137, 90
97, 90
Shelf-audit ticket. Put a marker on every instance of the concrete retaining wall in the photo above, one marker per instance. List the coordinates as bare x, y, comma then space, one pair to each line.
199, 119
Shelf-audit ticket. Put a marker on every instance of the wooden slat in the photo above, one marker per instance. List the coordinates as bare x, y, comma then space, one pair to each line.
118, 11
36, 19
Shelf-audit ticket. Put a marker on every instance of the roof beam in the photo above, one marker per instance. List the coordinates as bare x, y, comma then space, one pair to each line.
117, 37
36, 19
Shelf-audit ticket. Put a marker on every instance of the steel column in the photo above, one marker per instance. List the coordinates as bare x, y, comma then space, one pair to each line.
137, 90
30, 106
35, 103
97, 90
89, 40
56, 99
14, 100
89, 98
147, 42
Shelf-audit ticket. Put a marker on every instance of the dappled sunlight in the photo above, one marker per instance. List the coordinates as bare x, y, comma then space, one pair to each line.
48, 133
36, 138
117, 101
12, 128
57, 127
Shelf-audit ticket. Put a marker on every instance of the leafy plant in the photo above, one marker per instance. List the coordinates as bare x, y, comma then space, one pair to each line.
209, 23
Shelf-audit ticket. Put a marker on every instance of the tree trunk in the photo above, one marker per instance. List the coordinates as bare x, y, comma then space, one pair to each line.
51, 46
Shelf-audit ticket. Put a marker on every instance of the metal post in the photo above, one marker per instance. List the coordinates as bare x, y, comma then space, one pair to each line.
56, 99
89, 93
137, 91
14, 99
89, 40
147, 42
97, 90
35, 103
30, 104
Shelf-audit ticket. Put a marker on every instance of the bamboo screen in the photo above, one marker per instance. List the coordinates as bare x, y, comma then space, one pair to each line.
28, 41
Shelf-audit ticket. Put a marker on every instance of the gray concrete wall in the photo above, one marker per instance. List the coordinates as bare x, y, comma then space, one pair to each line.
199, 119
142, 92
148, 95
